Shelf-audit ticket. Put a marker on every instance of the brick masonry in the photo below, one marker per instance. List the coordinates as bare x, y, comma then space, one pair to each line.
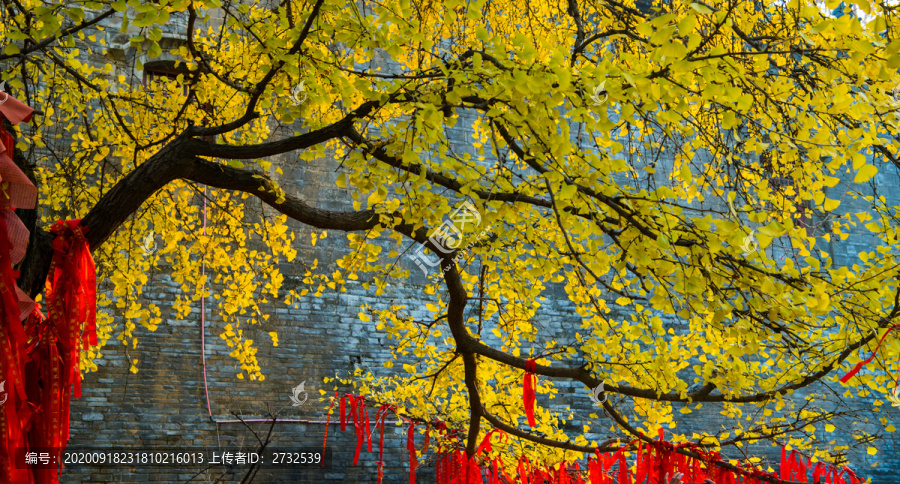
164, 404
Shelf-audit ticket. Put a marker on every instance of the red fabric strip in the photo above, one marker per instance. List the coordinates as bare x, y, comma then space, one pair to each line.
360, 437
528, 390
379, 423
783, 468
366, 427
862, 363
411, 447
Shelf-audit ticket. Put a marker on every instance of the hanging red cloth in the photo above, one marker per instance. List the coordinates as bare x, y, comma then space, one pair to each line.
360, 434
411, 447
655, 461
54, 359
45, 391
16, 191
12, 340
72, 293
379, 424
14, 110
862, 363
72, 283
528, 390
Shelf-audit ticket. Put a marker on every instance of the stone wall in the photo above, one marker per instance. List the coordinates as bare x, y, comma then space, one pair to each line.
165, 403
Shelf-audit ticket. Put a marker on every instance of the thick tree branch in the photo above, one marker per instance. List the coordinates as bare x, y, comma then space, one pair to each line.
299, 142
170, 164
496, 422
701, 395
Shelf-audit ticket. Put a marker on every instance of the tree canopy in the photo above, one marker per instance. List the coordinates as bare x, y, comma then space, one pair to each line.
693, 174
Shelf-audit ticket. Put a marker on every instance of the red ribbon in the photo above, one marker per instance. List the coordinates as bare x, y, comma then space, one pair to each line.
379, 423
486, 441
655, 459
72, 283
528, 390
785, 465
71, 291
360, 433
411, 447
12, 343
72, 297
862, 363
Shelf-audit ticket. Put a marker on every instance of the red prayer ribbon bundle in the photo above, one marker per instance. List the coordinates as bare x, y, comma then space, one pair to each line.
71, 291
16, 191
46, 352
528, 390
353, 410
72, 286
655, 460
12, 340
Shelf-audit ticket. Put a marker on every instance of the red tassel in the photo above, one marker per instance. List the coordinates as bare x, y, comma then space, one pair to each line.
528, 390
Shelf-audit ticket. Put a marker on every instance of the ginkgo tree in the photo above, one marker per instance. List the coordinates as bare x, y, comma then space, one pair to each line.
675, 164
